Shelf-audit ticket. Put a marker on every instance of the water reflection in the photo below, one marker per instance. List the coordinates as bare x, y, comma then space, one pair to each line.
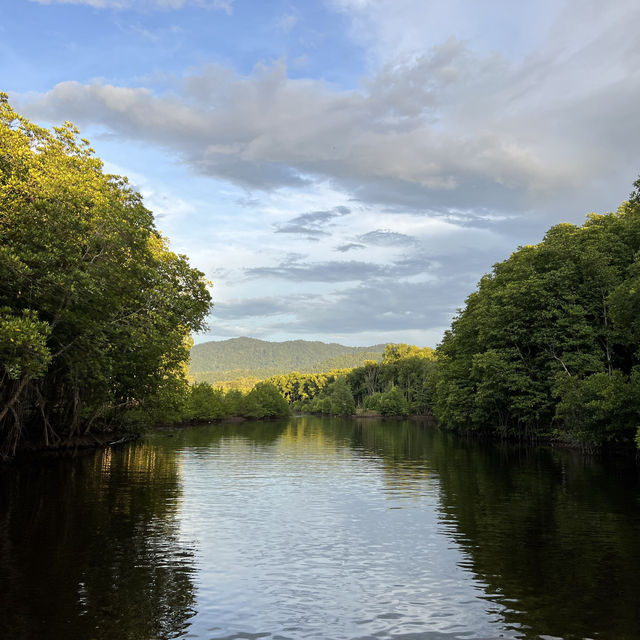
314, 534
553, 535
90, 548
318, 528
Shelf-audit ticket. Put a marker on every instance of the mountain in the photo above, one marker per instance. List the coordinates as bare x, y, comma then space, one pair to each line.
217, 361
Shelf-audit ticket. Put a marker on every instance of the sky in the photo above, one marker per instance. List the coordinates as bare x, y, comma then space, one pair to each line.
342, 170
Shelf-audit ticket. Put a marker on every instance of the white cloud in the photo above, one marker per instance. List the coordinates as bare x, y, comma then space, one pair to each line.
405, 29
452, 129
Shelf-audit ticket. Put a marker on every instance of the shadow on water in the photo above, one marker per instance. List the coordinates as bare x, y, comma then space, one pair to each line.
551, 534
89, 548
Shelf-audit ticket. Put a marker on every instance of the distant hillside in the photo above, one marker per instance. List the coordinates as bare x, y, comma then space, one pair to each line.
250, 358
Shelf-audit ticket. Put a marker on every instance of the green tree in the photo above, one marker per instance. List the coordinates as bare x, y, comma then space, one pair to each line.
95, 310
205, 403
395, 352
342, 402
393, 403
265, 401
549, 342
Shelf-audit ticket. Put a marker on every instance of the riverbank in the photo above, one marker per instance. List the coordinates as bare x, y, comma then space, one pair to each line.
86, 442
35, 450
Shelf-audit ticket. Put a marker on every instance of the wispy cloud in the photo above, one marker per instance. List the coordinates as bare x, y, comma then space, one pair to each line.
238, 309
343, 270
379, 306
349, 246
313, 223
386, 237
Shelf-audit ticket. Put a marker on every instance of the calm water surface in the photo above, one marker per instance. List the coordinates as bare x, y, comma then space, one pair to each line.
319, 528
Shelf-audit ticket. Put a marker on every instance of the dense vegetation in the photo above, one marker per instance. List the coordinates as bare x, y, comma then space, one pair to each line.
399, 385
549, 344
208, 403
95, 311
250, 359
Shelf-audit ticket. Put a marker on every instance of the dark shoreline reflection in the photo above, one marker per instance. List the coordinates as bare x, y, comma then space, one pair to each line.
89, 548
552, 534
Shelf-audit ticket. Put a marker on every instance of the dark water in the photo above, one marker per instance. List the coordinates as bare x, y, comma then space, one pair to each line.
317, 528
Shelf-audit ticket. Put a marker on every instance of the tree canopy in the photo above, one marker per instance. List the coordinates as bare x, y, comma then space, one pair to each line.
549, 344
95, 310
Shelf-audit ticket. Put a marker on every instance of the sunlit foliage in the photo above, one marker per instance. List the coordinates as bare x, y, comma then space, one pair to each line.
95, 310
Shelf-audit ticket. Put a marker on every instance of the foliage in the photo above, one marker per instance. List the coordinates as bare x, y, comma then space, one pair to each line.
393, 403
265, 401
401, 351
205, 403
549, 342
241, 384
409, 368
23, 350
95, 310
405, 378
342, 403
300, 388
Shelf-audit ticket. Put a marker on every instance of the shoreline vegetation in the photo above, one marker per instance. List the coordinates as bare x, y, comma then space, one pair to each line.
96, 312
96, 318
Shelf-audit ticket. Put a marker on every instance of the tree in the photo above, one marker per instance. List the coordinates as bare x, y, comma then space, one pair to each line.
205, 402
265, 401
95, 310
393, 403
549, 344
342, 402
395, 352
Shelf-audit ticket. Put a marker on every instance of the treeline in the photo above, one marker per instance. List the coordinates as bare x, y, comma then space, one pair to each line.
95, 311
202, 402
399, 385
244, 384
549, 344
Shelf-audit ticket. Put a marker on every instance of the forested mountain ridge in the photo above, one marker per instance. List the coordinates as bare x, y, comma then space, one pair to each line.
249, 357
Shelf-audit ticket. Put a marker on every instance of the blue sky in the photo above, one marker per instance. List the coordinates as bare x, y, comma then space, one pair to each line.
342, 170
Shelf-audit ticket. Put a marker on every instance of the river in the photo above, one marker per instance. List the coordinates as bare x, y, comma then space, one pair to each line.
319, 528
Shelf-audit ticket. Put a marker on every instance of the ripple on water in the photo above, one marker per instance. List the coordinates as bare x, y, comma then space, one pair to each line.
319, 529
303, 545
